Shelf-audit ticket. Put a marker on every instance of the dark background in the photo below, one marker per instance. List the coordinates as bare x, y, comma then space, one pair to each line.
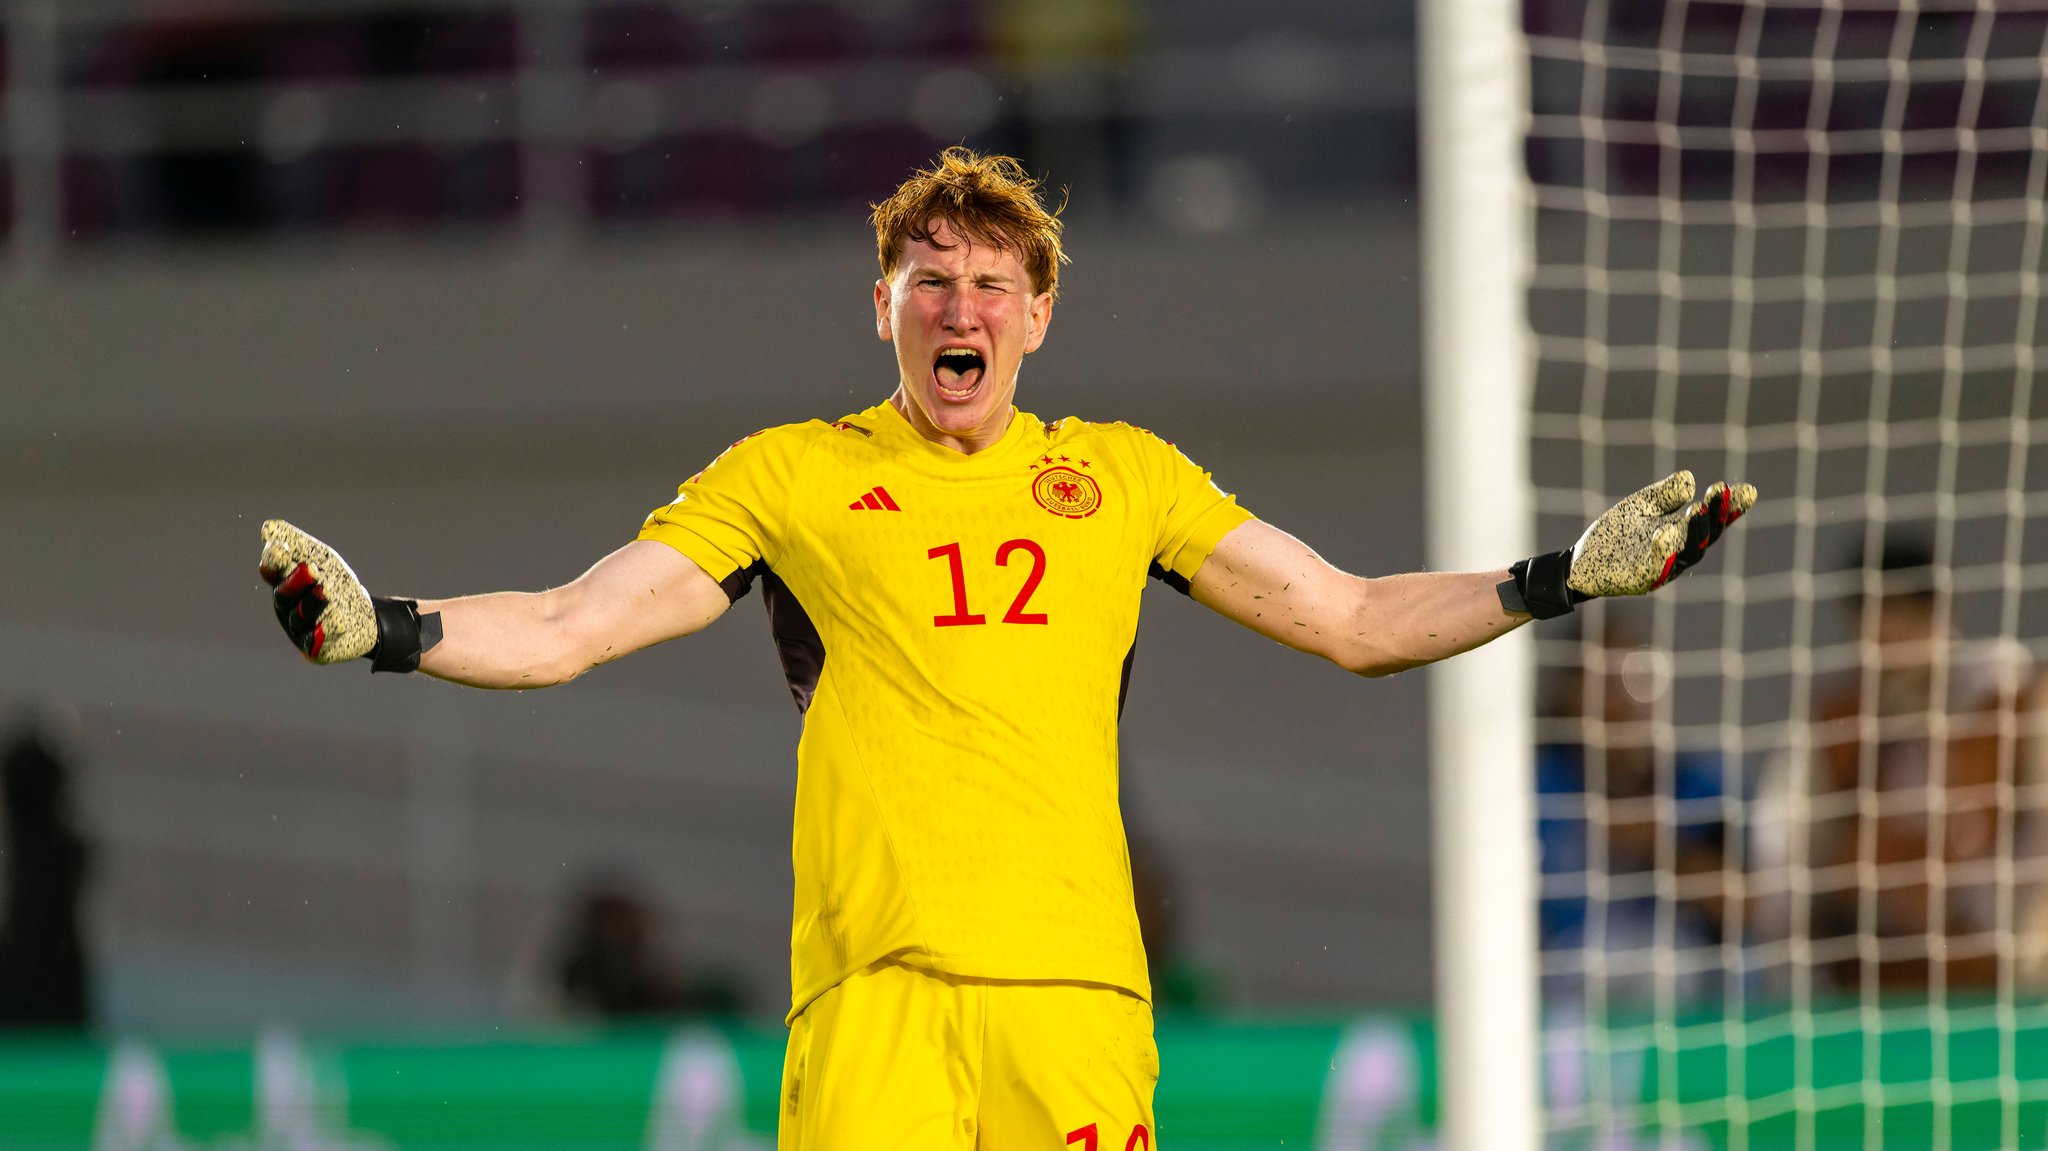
467, 288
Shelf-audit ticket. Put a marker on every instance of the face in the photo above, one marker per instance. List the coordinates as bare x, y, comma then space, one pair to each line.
1902, 630
962, 317
1905, 623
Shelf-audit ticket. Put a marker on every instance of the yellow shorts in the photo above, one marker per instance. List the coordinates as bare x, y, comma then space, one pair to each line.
897, 1058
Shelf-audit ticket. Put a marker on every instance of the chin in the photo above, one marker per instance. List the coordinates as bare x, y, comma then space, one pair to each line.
960, 418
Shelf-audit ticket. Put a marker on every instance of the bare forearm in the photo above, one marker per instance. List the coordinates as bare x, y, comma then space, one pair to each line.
503, 640
1404, 621
643, 594
1276, 585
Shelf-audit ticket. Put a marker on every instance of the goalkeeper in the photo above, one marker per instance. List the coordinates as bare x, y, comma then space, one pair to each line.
953, 587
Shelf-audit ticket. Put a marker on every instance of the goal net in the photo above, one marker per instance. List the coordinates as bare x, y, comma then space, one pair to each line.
1792, 810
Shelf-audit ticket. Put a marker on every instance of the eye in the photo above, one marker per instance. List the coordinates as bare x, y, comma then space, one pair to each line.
930, 282
996, 288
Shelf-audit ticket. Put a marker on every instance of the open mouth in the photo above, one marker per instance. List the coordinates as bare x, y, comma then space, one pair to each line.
958, 372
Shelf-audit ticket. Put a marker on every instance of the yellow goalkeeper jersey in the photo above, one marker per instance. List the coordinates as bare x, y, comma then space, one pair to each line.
957, 631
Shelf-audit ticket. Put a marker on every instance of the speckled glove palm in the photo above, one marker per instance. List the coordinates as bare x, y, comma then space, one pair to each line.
324, 608
1635, 547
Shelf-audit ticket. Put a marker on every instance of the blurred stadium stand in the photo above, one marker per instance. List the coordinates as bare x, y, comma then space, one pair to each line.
198, 116
466, 287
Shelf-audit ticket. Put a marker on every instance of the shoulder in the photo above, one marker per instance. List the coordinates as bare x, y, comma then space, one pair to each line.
1114, 432
1131, 445
775, 447
861, 425
1113, 429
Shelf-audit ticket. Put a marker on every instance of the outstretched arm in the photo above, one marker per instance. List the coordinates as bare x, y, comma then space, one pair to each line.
636, 597
1279, 587
1274, 584
640, 595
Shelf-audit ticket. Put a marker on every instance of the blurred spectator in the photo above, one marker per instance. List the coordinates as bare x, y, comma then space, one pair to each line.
1908, 807
609, 966
43, 969
1614, 811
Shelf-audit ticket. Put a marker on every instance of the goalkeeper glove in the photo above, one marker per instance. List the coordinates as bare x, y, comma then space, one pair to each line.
326, 611
1636, 546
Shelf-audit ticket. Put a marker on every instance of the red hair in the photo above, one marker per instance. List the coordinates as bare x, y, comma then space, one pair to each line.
990, 200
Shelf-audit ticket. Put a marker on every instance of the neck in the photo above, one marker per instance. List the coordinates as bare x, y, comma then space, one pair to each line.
967, 442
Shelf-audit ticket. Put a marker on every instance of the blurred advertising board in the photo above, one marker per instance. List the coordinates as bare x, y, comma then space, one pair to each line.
1362, 1085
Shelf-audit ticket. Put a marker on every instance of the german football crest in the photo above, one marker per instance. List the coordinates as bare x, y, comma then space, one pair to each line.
1066, 492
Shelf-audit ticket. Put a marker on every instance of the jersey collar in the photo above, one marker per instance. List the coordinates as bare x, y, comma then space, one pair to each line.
1003, 453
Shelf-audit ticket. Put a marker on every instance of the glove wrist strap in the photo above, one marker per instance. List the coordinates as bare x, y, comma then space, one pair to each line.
1538, 586
398, 634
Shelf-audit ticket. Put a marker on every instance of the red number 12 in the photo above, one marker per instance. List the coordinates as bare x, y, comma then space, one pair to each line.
961, 616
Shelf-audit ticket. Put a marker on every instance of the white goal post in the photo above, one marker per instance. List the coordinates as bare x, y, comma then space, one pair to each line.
1476, 379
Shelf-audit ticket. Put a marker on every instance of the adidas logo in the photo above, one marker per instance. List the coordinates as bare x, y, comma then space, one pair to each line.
875, 501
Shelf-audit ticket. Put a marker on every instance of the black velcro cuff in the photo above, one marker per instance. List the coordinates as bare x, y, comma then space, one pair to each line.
398, 635
1538, 587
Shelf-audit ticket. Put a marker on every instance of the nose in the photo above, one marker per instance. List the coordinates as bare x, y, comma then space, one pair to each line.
960, 317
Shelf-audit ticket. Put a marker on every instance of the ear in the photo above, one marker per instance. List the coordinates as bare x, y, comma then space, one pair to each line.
1040, 320
883, 330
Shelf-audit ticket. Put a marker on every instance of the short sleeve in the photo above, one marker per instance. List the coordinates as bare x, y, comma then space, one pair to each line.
729, 517
1194, 516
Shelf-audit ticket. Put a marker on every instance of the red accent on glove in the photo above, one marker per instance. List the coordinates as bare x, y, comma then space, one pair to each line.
297, 582
1664, 575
